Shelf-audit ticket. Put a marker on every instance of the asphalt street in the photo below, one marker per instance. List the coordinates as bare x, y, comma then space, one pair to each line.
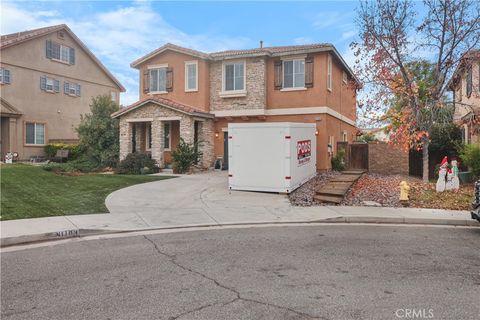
295, 272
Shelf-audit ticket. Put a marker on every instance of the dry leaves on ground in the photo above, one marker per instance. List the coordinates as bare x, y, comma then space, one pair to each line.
303, 196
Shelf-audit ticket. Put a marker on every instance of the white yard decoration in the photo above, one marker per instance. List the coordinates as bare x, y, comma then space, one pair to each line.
455, 180
449, 184
440, 187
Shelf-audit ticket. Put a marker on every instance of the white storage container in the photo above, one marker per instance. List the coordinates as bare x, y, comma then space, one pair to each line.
272, 156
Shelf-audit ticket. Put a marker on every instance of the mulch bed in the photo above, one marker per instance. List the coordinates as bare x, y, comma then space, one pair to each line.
303, 196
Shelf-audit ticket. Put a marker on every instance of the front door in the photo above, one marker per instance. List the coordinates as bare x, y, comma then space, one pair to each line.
225, 150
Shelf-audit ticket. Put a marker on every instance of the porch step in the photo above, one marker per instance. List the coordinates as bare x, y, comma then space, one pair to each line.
353, 171
346, 178
328, 199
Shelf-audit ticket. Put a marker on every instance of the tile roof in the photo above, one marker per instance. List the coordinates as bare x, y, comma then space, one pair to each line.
181, 107
12, 39
271, 50
17, 37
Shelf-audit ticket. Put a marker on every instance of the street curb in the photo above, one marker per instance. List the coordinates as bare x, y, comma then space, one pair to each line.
78, 233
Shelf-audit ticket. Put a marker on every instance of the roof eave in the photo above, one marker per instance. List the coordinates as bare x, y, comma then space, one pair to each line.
135, 64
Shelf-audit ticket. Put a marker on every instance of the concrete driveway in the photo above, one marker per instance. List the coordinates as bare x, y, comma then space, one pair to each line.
197, 198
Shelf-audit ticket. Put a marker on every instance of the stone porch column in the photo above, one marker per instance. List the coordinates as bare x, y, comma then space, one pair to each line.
206, 137
157, 142
186, 129
125, 138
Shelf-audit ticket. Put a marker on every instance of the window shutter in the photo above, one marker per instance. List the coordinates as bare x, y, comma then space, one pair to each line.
49, 49
6, 76
43, 83
66, 88
78, 90
278, 81
146, 81
72, 56
469, 81
56, 85
55, 50
169, 79
309, 72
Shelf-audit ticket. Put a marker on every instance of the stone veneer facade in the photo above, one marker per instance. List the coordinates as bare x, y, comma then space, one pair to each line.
156, 112
255, 97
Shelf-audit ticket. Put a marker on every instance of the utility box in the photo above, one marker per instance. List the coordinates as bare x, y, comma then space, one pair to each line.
272, 156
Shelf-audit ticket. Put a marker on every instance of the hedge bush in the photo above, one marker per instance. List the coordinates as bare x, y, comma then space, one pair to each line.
137, 163
338, 161
470, 155
78, 165
185, 155
52, 148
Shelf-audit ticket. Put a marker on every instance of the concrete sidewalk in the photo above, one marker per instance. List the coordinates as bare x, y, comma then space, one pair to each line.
54, 228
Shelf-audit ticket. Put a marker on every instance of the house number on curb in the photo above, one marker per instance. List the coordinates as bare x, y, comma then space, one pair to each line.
67, 233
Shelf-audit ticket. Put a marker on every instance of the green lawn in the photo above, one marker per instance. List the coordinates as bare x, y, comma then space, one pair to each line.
31, 192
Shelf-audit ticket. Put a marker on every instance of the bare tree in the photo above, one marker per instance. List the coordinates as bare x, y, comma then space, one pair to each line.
392, 38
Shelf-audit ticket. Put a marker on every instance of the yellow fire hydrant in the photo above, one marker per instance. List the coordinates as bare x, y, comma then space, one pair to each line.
404, 197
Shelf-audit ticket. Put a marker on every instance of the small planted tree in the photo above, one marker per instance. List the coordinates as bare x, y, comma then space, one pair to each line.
185, 156
98, 133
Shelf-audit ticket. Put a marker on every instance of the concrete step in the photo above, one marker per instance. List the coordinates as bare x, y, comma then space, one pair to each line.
328, 199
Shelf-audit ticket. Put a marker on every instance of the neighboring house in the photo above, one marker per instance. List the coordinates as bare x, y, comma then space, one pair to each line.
465, 85
194, 95
378, 133
47, 80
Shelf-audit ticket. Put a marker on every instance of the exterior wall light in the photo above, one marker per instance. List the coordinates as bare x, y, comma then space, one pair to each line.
216, 134
316, 132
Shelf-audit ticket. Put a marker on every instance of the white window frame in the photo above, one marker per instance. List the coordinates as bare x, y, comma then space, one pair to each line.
113, 96
62, 54
345, 77
72, 89
344, 136
169, 135
191, 63
293, 59
234, 93
329, 72
44, 124
2, 76
154, 67
51, 80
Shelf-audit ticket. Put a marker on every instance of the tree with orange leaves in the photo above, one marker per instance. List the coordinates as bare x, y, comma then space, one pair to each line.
391, 40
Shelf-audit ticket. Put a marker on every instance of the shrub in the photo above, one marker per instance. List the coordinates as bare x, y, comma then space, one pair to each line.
99, 133
137, 163
185, 155
470, 155
52, 148
338, 162
79, 165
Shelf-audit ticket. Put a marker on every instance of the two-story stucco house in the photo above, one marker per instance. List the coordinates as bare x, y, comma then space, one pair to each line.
465, 85
47, 80
194, 95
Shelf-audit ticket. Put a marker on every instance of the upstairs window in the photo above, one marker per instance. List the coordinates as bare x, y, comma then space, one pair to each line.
5, 76
329, 72
469, 81
294, 73
34, 133
234, 77
113, 96
57, 51
158, 79
72, 89
49, 84
191, 76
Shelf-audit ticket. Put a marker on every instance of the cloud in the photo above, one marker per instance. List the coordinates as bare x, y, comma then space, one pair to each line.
119, 36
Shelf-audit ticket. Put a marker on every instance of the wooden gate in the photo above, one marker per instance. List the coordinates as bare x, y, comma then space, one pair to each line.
358, 156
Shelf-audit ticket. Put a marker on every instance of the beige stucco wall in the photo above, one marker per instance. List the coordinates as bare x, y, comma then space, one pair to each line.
27, 62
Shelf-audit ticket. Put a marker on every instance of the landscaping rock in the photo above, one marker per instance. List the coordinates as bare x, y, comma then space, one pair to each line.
303, 196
